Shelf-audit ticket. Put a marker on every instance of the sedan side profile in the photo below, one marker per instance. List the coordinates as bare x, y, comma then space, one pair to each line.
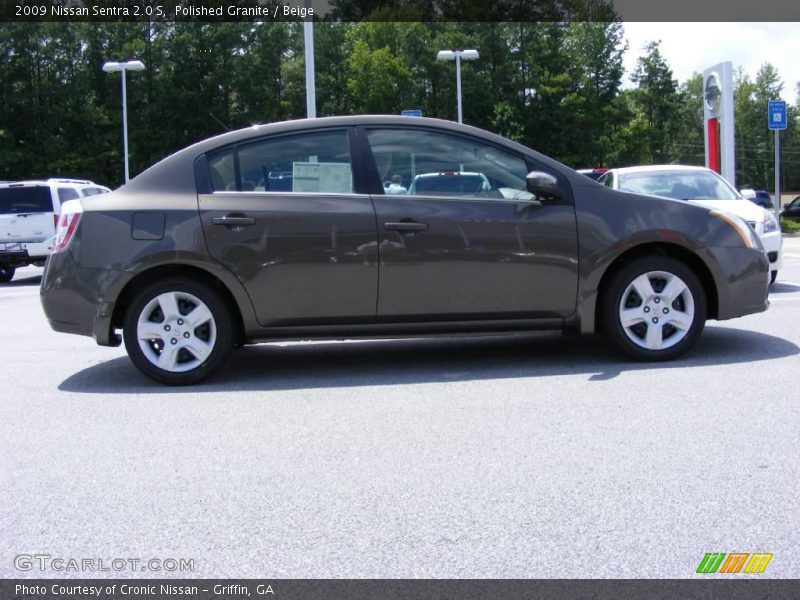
288, 231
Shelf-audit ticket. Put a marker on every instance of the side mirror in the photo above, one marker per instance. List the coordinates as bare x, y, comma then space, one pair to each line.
543, 185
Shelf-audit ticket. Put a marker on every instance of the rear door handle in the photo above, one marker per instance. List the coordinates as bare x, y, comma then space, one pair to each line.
406, 226
231, 221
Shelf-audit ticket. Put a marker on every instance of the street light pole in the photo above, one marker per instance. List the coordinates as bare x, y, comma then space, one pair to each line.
308, 46
458, 55
311, 93
125, 126
458, 87
122, 67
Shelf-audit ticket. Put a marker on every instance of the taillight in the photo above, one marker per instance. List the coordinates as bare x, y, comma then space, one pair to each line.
67, 224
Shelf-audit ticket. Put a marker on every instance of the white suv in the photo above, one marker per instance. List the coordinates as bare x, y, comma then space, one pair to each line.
705, 187
28, 218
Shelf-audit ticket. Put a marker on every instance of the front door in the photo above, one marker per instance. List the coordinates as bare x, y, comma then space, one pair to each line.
459, 235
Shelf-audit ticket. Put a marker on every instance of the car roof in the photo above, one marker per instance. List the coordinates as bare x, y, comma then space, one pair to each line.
32, 182
655, 168
175, 173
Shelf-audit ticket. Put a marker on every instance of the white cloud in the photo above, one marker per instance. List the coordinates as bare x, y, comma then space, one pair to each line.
693, 47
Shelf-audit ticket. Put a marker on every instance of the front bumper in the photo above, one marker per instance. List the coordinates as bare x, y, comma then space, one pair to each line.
773, 244
76, 299
742, 279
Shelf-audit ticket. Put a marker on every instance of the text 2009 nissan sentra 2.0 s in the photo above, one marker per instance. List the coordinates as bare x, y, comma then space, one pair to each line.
315, 229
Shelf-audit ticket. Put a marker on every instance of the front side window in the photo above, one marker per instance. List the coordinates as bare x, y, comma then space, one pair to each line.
424, 163
305, 163
607, 180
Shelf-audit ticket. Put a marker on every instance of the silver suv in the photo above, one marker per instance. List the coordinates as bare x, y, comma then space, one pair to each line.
28, 218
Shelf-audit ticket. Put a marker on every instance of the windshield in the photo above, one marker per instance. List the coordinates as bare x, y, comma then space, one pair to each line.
680, 185
31, 199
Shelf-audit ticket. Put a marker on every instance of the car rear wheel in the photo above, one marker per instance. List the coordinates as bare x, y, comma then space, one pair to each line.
654, 308
7, 274
178, 332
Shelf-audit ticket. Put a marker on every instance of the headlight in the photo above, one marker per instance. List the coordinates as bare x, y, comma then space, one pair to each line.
740, 226
770, 222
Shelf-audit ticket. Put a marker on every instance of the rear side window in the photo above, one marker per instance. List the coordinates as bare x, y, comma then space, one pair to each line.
222, 168
305, 163
65, 194
31, 199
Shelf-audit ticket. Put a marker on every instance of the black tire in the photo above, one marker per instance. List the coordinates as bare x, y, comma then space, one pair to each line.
678, 327
772, 277
7, 274
215, 334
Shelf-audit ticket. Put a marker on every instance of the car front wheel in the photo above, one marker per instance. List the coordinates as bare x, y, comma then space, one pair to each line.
178, 332
654, 308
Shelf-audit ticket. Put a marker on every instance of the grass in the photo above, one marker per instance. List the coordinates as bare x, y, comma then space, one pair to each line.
790, 226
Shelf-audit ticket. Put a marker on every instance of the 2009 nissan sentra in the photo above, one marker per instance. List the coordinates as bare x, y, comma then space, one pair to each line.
314, 229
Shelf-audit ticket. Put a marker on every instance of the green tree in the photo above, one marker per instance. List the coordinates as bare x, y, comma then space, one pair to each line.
655, 101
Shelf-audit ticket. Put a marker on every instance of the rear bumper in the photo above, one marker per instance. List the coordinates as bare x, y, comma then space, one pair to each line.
19, 254
75, 299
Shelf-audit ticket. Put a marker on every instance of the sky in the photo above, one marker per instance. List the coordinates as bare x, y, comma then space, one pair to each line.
690, 47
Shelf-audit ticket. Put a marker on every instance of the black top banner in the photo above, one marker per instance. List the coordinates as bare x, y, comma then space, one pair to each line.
400, 10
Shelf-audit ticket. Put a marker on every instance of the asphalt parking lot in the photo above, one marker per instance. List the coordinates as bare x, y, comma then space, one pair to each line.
503, 457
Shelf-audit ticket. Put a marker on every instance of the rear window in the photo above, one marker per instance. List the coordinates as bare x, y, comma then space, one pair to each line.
30, 199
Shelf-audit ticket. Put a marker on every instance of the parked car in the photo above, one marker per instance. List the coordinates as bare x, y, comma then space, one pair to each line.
188, 264
702, 186
28, 217
760, 197
792, 210
595, 173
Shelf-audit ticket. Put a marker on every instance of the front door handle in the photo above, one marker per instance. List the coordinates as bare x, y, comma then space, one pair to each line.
406, 226
233, 221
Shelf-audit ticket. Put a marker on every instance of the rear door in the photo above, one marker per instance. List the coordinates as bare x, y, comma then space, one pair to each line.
26, 215
284, 215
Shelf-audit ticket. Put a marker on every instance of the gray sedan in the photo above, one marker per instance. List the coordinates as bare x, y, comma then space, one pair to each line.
287, 231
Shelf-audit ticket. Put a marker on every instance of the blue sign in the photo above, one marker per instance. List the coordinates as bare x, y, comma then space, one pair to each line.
412, 112
777, 114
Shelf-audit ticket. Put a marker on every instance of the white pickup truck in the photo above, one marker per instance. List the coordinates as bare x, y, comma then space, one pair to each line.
28, 217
